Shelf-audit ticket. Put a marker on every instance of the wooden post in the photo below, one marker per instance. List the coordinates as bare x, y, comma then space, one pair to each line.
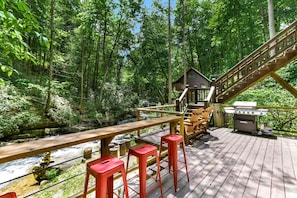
123, 149
213, 84
104, 146
87, 153
218, 115
177, 105
138, 118
187, 95
182, 126
196, 94
127, 143
114, 151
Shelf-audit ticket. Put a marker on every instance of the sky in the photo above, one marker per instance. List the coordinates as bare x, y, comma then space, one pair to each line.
148, 3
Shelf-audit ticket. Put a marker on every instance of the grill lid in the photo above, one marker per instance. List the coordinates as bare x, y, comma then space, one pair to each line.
245, 105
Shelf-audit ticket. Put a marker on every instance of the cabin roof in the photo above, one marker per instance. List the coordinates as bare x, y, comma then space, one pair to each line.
196, 71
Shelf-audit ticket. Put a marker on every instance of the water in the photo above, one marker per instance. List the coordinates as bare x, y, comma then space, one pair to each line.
17, 168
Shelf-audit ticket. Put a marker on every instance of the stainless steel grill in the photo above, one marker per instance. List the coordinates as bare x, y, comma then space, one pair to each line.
245, 116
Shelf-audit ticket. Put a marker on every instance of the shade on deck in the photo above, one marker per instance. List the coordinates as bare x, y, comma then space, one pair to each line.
226, 164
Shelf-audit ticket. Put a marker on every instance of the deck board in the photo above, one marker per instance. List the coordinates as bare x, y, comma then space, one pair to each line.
254, 178
224, 173
200, 173
229, 182
205, 188
277, 188
264, 189
288, 170
226, 164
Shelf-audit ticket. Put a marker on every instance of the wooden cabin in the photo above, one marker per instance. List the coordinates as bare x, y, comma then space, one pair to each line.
194, 78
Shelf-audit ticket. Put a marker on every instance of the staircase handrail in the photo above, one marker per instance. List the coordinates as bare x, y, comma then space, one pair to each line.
181, 100
210, 96
269, 50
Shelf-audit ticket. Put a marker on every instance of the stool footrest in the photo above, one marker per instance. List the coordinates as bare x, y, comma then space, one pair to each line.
133, 184
144, 152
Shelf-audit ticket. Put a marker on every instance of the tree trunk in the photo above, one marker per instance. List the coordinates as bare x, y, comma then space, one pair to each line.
169, 56
271, 25
184, 44
82, 77
96, 68
105, 65
271, 18
52, 29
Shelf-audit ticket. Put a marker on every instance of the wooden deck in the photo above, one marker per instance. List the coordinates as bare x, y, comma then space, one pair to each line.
226, 164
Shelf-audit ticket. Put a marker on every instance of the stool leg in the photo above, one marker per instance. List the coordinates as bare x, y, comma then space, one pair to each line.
100, 188
174, 164
125, 182
186, 165
126, 172
142, 177
127, 164
110, 186
159, 174
170, 157
86, 185
161, 147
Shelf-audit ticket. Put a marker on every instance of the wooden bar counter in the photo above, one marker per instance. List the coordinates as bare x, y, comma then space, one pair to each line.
106, 134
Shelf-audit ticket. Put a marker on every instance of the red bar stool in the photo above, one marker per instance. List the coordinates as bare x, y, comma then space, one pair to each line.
142, 152
9, 195
103, 170
173, 141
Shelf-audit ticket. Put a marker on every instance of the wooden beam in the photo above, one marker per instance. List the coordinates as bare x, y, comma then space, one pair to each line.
284, 84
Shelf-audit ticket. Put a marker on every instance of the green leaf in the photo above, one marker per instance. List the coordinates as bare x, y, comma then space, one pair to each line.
9, 73
2, 15
45, 42
24, 44
23, 7
2, 82
3, 68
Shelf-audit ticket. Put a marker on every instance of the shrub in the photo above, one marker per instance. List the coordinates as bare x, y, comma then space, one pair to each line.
15, 111
61, 111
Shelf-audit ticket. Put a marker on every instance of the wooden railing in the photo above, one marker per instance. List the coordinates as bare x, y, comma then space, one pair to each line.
106, 134
159, 111
27, 149
181, 103
195, 95
261, 57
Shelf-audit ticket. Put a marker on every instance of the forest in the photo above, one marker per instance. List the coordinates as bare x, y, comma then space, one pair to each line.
65, 62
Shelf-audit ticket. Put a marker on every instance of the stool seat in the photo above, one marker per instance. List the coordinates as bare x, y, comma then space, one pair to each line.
103, 170
172, 138
173, 141
105, 165
142, 152
9, 195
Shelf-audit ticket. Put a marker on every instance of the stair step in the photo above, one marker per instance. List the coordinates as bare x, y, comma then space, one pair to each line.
280, 59
290, 52
195, 106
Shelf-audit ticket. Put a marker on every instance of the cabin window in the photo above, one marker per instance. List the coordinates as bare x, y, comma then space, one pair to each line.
192, 76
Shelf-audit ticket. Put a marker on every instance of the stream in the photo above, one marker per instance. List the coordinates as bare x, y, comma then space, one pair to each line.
17, 168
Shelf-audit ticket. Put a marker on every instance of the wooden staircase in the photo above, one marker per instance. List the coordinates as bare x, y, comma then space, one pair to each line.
263, 62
